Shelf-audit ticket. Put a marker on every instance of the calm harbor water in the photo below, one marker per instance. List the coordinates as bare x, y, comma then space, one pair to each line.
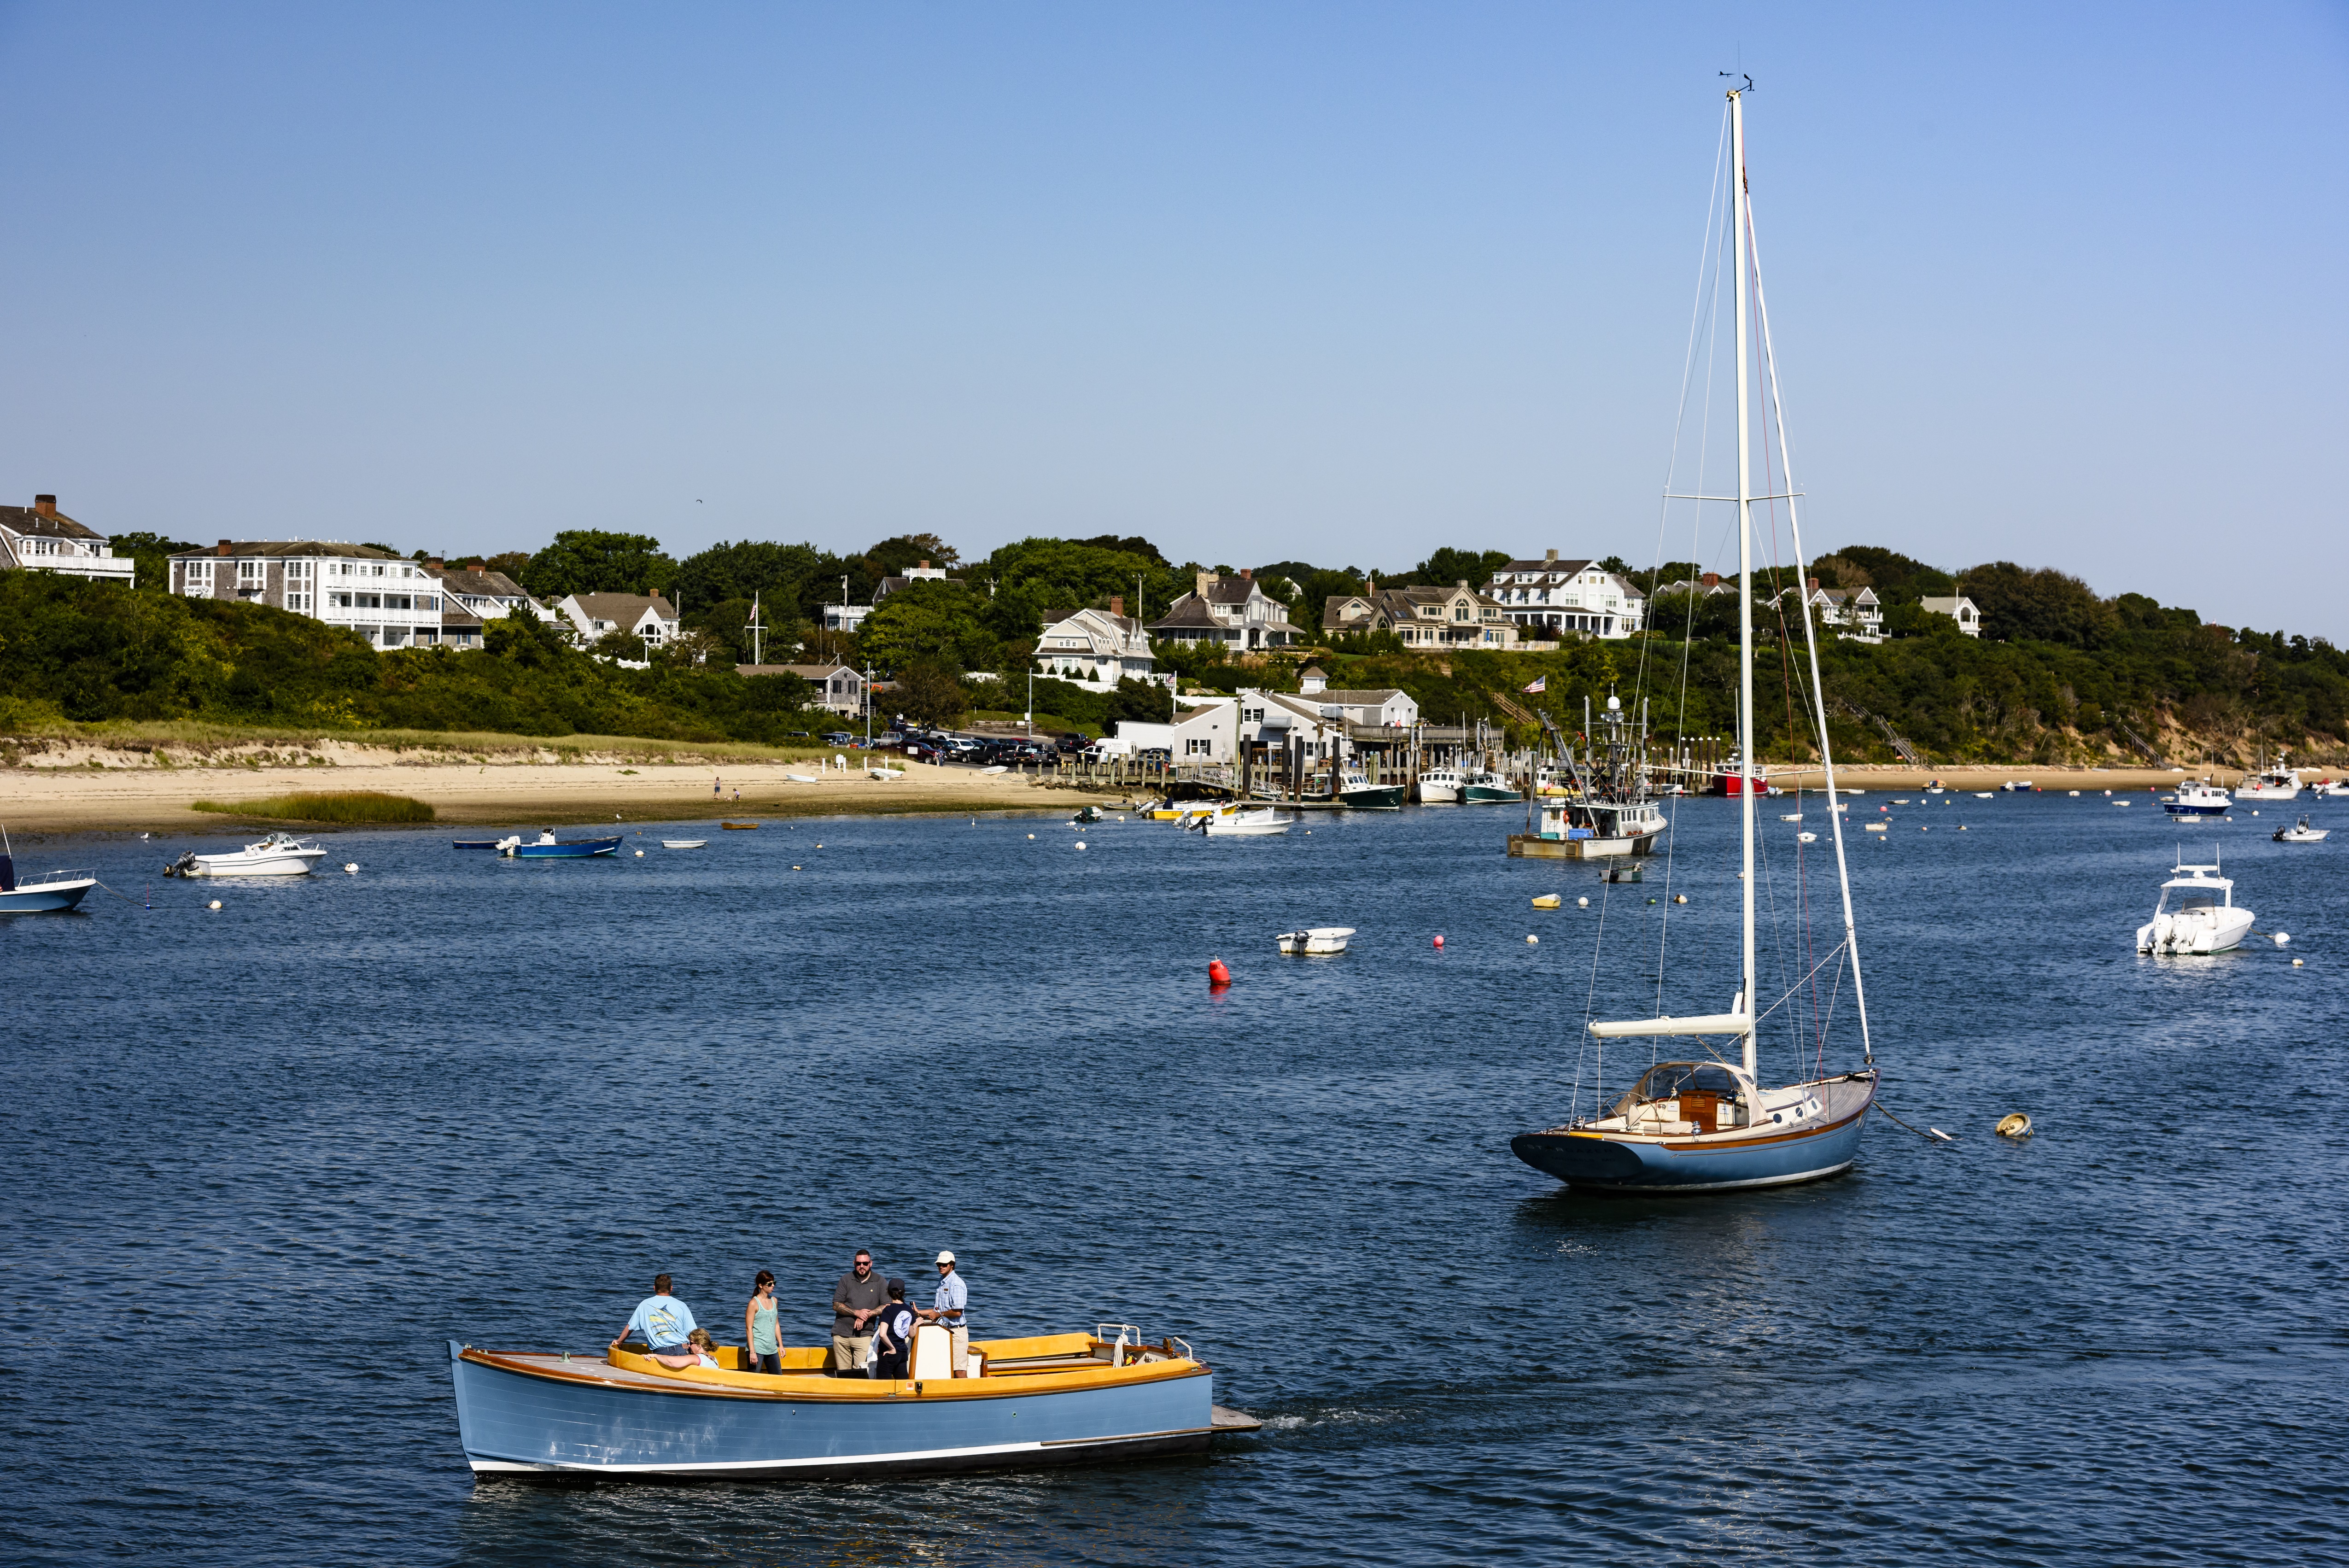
267, 1160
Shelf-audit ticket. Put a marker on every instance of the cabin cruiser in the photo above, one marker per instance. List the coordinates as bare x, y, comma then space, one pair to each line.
1356, 791
2277, 782
2198, 799
1488, 788
1440, 786
2205, 921
279, 855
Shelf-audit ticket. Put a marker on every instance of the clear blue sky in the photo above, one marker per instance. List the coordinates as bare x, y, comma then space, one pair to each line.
1343, 282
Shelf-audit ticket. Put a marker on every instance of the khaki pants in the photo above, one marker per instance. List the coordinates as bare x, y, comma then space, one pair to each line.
961, 1352
847, 1354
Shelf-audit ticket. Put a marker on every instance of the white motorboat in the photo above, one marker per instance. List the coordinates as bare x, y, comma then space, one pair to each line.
1440, 786
279, 855
2196, 799
45, 891
2330, 789
2206, 919
2278, 782
2303, 834
1243, 823
2018, 786
683, 843
1315, 940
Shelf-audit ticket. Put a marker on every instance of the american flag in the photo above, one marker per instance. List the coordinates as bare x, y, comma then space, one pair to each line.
1539, 686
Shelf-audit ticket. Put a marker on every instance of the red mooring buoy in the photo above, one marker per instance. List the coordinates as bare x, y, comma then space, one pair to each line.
1217, 975
1439, 941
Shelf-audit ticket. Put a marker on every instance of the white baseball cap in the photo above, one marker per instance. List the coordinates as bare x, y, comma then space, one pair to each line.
946, 1257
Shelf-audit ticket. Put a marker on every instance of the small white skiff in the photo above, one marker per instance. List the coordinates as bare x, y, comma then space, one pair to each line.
1315, 940
2303, 834
683, 843
279, 855
1243, 823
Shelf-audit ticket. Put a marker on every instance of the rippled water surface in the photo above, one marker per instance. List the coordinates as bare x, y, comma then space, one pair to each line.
267, 1160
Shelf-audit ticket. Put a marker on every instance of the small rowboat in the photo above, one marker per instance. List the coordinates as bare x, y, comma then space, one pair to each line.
1315, 940
737, 826
683, 843
802, 778
1054, 1399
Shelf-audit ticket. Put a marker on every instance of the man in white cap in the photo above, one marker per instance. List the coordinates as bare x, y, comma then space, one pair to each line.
947, 1309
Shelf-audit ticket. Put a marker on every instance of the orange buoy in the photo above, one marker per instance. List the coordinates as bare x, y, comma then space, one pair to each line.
1439, 940
1217, 975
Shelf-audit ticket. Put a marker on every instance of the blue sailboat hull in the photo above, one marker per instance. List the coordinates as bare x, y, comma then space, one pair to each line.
1601, 1161
523, 1423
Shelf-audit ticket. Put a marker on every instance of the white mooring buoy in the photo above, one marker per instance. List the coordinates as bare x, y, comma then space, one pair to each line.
213, 905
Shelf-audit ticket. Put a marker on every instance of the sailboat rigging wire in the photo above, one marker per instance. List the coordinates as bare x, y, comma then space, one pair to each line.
1795, 990
1706, 310
1810, 639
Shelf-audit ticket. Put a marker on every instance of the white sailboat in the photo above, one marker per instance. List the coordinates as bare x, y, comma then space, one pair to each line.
1710, 1123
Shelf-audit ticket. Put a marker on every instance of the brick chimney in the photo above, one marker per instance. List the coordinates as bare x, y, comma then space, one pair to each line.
1815, 585
923, 568
1207, 583
44, 505
1246, 572
435, 564
1117, 604
476, 566
1712, 579
222, 550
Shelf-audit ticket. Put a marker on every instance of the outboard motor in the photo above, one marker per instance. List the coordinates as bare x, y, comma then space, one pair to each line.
185, 866
7, 873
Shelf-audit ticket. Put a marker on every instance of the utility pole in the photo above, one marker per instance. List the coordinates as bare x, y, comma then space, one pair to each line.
755, 627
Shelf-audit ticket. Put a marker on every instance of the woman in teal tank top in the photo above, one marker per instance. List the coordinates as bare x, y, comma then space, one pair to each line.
759, 1330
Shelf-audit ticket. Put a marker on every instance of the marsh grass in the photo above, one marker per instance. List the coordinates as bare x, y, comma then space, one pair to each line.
326, 806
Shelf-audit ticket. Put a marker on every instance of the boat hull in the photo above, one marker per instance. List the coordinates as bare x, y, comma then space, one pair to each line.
1434, 793
1377, 798
583, 849
1490, 794
518, 1423
296, 864
45, 898
1604, 1162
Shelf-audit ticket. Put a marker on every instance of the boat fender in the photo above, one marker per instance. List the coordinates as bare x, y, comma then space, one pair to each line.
2015, 1125
1217, 975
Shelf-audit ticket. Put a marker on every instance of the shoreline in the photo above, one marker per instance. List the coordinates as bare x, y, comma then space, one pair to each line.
62, 800
121, 792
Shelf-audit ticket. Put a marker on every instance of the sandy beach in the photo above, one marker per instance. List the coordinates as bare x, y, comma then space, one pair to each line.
85, 788
130, 795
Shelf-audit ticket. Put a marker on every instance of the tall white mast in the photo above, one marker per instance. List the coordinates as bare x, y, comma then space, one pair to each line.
1744, 577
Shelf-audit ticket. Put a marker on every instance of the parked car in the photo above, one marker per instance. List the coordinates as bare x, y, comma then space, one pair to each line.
925, 752
839, 738
1159, 755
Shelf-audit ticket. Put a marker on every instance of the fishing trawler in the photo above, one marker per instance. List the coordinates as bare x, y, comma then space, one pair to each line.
1712, 1120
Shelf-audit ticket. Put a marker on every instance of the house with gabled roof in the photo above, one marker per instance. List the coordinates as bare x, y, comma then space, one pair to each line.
1104, 646
1961, 610
1857, 615
40, 538
1560, 596
597, 616
1422, 617
1235, 611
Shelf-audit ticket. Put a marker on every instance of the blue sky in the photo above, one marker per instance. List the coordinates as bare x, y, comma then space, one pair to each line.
1339, 282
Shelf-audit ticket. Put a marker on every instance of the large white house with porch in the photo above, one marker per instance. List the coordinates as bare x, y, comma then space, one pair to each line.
597, 616
1557, 596
1234, 611
390, 602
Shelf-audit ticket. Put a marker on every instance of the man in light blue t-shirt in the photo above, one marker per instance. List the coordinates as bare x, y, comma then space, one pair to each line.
660, 1320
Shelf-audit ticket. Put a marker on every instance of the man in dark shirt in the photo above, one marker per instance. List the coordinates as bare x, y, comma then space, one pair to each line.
856, 1301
